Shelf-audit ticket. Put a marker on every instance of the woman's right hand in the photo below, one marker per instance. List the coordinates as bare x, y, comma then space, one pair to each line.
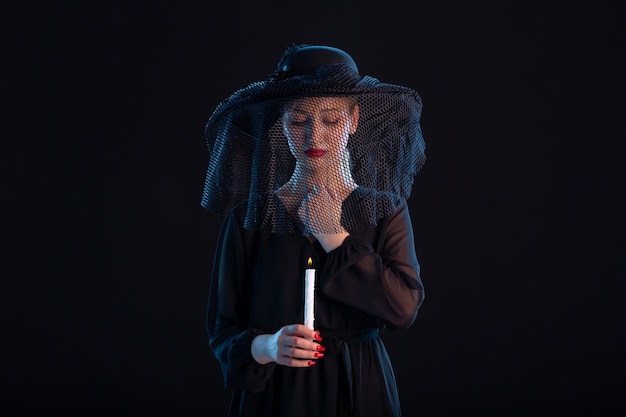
293, 345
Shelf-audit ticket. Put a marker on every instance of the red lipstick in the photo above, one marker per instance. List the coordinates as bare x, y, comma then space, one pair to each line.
315, 153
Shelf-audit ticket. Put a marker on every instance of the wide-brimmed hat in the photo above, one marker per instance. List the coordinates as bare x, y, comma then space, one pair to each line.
249, 156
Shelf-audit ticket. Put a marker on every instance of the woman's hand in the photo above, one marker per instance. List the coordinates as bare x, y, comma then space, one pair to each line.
294, 345
320, 212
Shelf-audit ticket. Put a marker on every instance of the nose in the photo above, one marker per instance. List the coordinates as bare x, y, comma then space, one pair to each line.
315, 134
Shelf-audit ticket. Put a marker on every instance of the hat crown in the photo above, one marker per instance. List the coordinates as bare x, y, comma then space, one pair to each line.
306, 59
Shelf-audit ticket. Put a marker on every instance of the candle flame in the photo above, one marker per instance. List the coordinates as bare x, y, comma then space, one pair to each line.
309, 262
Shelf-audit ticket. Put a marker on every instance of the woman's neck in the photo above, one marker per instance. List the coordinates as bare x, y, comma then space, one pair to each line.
303, 182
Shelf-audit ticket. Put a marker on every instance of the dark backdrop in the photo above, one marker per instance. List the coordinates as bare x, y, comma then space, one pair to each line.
518, 213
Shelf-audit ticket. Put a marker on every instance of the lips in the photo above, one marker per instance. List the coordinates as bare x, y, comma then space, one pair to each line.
315, 153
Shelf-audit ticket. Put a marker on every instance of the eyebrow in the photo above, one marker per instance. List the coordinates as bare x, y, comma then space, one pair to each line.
300, 110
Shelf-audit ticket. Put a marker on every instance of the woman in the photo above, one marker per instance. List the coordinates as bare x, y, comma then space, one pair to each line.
316, 162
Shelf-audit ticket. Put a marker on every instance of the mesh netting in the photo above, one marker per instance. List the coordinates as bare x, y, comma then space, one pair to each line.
323, 152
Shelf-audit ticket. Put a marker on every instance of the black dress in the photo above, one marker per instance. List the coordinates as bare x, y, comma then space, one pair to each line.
369, 282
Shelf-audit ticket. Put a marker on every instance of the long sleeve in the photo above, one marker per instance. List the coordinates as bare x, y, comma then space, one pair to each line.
383, 281
228, 313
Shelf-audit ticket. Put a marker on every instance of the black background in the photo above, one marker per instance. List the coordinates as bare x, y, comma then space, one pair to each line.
518, 213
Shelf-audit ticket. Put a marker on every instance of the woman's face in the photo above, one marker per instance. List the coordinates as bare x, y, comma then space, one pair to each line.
318, 128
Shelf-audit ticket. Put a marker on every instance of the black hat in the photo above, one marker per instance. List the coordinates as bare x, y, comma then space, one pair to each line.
306, 59
250, 159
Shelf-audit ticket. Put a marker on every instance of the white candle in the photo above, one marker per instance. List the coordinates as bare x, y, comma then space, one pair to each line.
309, 295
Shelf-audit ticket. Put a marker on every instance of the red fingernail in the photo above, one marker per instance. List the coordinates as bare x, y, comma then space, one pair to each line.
318, 355
311, 363
321, 348
317, 337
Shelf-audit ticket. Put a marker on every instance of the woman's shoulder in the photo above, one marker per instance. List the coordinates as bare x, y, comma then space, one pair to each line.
367, 207
265, 212
371, 194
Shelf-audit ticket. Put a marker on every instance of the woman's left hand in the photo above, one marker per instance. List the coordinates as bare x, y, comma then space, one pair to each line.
320, 211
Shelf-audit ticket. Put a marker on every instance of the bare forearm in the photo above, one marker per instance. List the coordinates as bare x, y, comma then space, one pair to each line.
331, 241
261, 349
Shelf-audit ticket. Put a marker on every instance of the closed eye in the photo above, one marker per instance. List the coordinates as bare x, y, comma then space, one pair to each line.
298, 118
331, 117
